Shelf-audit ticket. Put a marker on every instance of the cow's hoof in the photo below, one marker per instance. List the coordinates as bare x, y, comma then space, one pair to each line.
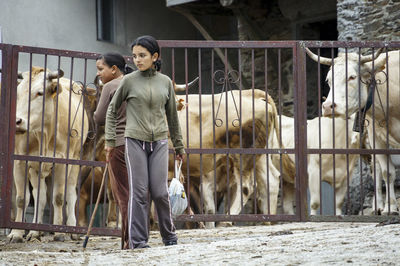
59, 237
201, 225
225, 224
33, 235
112, 224
210, 225
75, 237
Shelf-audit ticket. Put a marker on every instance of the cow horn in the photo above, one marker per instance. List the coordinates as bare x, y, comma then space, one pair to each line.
55, 74
182, 87
322, 60
368, 58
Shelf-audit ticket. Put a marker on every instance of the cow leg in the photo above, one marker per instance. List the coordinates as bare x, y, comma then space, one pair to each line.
16, 235
267, 186
39, 203
72, 197
389, 176
58, 198
83, 202
208, 190
288, 197
378, 198
313, 185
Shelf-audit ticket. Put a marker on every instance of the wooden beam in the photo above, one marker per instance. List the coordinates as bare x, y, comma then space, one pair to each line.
208, 37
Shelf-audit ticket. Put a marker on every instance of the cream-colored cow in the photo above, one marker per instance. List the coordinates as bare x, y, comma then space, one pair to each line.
41, 94
348, 79
335, 176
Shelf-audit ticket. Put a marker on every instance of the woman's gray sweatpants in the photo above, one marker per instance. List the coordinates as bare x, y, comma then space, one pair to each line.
147, 164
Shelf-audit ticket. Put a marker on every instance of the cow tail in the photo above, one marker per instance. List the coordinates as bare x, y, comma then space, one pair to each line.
273, 131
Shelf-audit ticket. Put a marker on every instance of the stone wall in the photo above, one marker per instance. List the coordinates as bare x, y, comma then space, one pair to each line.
368, 20
360, 20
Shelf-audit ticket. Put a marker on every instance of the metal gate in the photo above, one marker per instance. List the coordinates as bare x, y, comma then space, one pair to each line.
235, 171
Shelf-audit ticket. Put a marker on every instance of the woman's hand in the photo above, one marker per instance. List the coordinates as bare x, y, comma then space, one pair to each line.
108, 153
179, 157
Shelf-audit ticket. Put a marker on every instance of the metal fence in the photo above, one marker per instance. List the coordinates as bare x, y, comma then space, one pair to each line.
249, 159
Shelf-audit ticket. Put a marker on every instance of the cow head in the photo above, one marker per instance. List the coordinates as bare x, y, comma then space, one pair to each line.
348, 89
34, 90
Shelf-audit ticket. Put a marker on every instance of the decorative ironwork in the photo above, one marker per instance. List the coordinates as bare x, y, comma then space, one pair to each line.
226, 79
372, 82
84, 92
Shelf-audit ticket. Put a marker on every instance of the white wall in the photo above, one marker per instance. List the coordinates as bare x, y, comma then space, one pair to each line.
71, 25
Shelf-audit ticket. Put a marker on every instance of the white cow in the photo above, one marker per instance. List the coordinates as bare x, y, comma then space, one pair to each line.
338, 179
383, 116
261, 131
43, 100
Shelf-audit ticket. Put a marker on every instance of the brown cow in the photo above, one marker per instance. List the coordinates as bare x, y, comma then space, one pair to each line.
230, 127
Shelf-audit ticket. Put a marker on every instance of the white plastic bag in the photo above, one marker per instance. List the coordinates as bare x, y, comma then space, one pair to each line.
177, 195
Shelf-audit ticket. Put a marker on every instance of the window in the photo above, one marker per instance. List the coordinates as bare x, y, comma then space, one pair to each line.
105, 20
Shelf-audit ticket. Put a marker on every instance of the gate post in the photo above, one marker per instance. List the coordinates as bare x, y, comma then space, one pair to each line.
5, 178
300, 107
7, 123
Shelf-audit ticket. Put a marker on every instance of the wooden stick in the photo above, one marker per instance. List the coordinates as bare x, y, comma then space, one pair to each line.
95, 208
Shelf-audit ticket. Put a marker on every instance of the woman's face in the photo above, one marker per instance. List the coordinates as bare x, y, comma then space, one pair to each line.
142, 57
105, 72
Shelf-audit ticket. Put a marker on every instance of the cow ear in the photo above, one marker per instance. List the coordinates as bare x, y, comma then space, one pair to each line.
180, 104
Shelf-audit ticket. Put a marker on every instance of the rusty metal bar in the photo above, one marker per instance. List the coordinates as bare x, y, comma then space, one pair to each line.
201, 130
333, 139
253, 131
27, 135
236, 218
65, 228
213, 117
7, 139
226, 44
57, 160
240, 129
300, 107
267, 157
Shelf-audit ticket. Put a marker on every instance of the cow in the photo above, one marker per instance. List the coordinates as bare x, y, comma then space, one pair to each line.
46, 95
336, 175
212, 122
349, 78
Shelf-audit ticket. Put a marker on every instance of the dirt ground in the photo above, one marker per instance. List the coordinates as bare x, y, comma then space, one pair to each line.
281, 244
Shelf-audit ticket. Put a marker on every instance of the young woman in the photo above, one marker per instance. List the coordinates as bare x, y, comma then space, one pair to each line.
150, 98
111, 67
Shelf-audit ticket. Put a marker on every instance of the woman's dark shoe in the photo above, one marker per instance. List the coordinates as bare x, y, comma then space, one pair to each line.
171, 243
141, 245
